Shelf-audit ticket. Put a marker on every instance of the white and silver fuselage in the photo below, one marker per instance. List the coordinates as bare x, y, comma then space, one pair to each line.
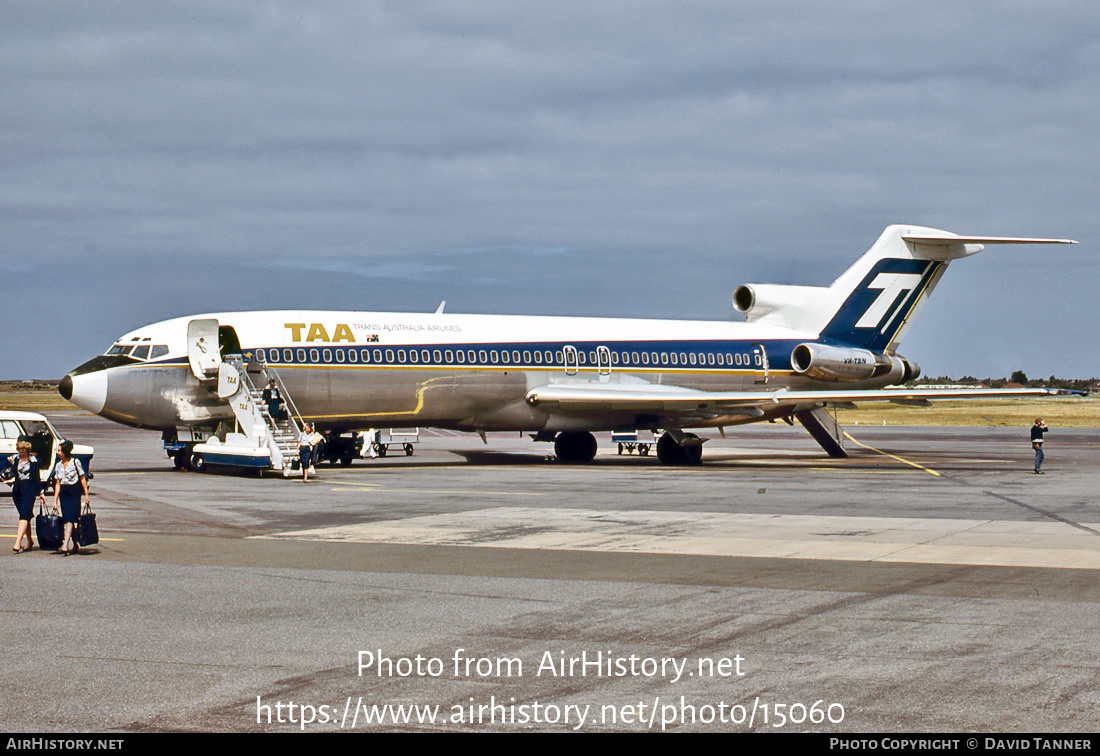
800, 347
353, 370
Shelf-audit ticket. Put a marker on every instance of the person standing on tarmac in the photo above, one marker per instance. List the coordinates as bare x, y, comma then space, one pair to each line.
1037, 432
26, 487
69, 481
305, 450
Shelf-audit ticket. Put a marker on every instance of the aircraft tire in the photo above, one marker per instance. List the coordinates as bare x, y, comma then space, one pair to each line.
668, 451
693, 454
346, 460
575, 447
672, 453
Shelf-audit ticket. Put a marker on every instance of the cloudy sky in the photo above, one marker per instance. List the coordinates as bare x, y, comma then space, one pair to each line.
608, 158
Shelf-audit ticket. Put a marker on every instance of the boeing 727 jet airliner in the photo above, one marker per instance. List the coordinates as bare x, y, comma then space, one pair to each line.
800, 350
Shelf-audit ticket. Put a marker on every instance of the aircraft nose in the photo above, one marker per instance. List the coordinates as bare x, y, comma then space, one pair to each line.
87, 390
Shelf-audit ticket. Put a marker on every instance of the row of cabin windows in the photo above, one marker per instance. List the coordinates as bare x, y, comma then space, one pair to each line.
503, 357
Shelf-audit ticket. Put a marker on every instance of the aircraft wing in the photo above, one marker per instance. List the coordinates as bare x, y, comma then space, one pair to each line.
673, 400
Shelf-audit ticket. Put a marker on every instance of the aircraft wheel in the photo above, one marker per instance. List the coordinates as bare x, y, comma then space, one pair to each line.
381, 450
575, 447
693, 454
671, 453
668, 451
198, 464
346, 460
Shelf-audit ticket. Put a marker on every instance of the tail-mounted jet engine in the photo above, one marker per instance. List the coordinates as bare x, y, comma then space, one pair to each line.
829, 363
798, 307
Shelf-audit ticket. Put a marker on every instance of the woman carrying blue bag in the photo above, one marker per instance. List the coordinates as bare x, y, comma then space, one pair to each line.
69, 481
26, 487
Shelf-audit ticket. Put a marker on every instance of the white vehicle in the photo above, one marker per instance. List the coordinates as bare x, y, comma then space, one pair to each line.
44, 441
237, 450
402, 438
800, 350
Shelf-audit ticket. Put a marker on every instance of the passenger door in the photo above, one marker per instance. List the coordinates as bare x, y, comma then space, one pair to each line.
760, 362
203, 351
571, 360
603, 361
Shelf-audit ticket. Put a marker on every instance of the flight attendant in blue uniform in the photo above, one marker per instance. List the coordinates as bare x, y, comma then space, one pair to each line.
69, 480
26, 487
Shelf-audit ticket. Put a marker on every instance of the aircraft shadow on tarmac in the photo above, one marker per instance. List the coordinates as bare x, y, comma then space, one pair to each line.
858, 459
490, 458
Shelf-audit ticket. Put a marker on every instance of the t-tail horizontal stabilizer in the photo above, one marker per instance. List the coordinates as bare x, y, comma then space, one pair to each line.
871, 303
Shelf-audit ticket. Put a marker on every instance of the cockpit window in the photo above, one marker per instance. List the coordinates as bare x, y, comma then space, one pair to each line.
120, 349
141, 352
158, 351
103, 362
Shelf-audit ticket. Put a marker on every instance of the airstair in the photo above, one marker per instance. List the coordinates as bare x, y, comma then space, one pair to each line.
246, 381
259, 441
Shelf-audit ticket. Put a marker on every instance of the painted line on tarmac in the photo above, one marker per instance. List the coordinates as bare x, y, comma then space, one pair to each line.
101, 540
891, 456
373, 488
376, 487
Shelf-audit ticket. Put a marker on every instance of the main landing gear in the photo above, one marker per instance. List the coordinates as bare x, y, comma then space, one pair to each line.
575, 447
579, 447
672, 453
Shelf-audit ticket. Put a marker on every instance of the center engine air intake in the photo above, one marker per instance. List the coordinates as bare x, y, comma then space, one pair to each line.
828, 363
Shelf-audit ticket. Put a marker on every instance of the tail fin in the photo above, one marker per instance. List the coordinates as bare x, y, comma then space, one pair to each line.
873, 302
881, 292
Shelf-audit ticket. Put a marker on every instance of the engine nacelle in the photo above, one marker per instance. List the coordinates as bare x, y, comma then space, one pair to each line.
828, 363
910, 370
798, 307
744, 298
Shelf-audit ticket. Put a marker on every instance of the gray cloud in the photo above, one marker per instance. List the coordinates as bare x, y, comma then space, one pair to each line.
663, 152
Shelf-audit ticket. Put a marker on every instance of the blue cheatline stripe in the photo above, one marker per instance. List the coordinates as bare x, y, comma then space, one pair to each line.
737, 356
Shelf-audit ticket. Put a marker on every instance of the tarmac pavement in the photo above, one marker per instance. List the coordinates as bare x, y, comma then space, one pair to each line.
929, 582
